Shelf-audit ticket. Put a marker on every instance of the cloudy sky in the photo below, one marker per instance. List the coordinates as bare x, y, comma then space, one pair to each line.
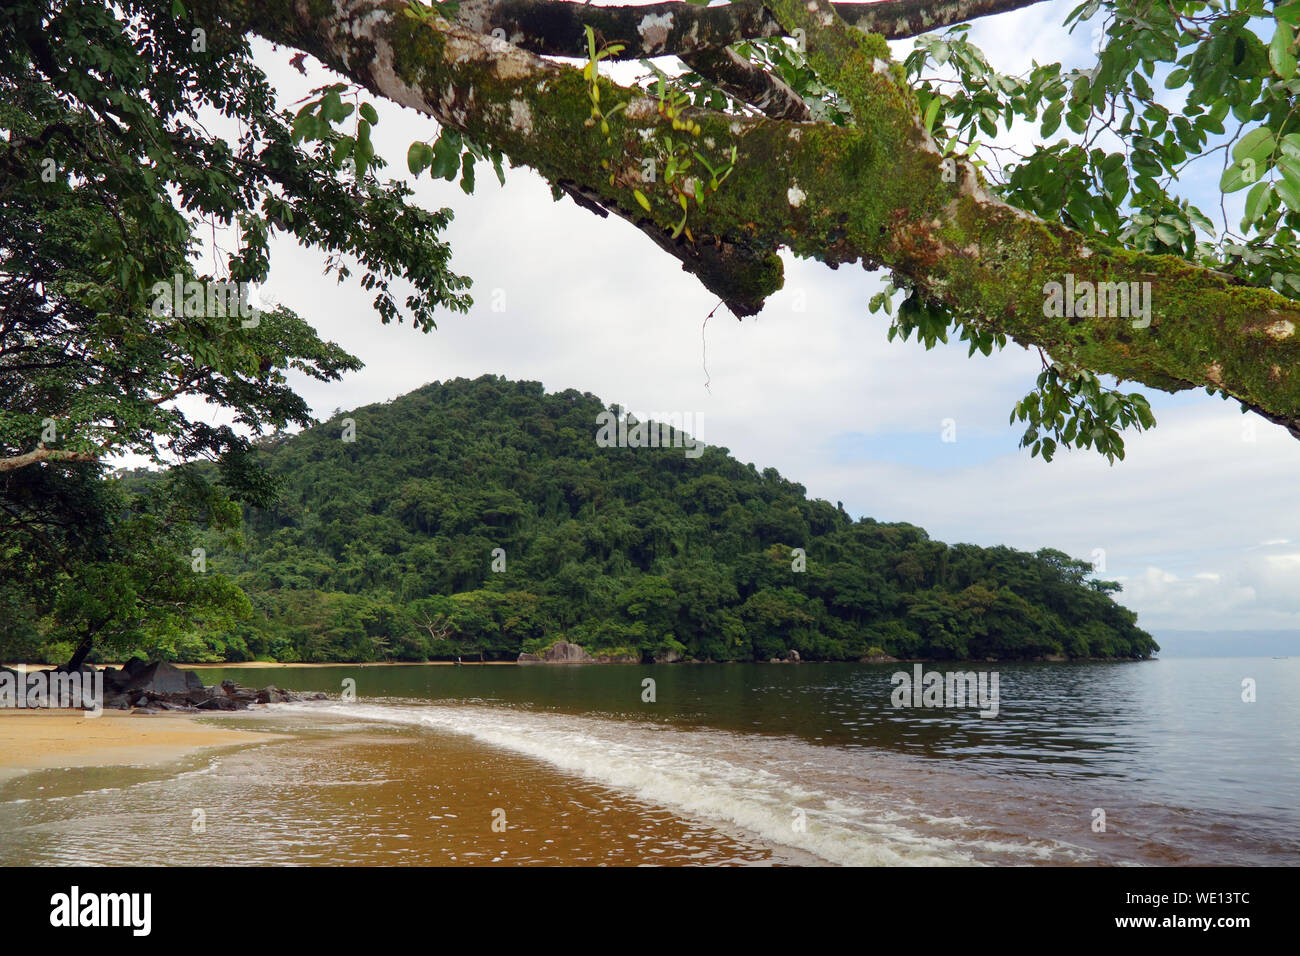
1199, 522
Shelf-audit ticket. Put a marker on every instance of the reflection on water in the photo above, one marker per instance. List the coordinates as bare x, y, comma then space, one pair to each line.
730, 764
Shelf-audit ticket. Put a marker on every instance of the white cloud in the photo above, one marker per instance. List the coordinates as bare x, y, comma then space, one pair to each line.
1252, 593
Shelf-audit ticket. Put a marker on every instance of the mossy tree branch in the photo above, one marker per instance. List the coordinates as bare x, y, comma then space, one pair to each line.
749, 83
875, 192
555, 27
15, 462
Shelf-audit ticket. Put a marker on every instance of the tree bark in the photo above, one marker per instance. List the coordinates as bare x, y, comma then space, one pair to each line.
878, 192
81, 653
44, 454
749, 83
555, 27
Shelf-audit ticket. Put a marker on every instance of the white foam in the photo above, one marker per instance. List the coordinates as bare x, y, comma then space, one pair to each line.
752, 782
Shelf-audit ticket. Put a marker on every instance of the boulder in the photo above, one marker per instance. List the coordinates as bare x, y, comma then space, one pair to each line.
218, 702
151, 687
202, 694
134, 666
115, 701
628, 657
272, 695
163, 678
528, 659
668, 657
793, 657
562, 652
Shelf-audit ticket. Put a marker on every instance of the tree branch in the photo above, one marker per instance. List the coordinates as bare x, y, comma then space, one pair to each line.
749, 83
44, 454
878, 192
555, 27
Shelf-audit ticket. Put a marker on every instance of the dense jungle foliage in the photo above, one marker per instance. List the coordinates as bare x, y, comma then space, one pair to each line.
481, 518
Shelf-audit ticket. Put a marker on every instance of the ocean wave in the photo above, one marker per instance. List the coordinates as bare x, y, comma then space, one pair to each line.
785, 791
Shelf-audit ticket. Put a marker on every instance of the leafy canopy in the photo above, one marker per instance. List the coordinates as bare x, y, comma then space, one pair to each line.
1180, 92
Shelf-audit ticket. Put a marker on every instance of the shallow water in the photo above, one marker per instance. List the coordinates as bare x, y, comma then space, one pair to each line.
745, 764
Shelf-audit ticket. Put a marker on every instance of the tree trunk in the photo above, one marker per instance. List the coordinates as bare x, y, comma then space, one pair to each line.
80, 654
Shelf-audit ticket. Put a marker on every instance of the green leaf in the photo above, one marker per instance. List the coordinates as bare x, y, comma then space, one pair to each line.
1256, 201
641, 199
418, 157
1289, 167
1257, 145
931, 112
1280, 56
362, 154
331, 106
1052, 119
1167, 234
305, 126
1235, 177
1288, 187
342, 150
467, 172
1250, 156
446, 158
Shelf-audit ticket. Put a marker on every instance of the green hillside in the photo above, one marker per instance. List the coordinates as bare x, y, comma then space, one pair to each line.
383, 548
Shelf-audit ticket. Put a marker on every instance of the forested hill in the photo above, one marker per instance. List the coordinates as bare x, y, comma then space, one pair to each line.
386, 546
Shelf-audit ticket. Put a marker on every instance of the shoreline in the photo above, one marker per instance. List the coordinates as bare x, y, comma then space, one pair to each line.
36, 740
28, 666
270, 664
256, 665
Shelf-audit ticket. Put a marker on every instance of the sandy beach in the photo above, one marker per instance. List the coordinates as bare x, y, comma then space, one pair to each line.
39, 740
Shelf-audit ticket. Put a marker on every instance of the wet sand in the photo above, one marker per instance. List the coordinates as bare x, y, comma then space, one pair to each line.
46, 739
355, 794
